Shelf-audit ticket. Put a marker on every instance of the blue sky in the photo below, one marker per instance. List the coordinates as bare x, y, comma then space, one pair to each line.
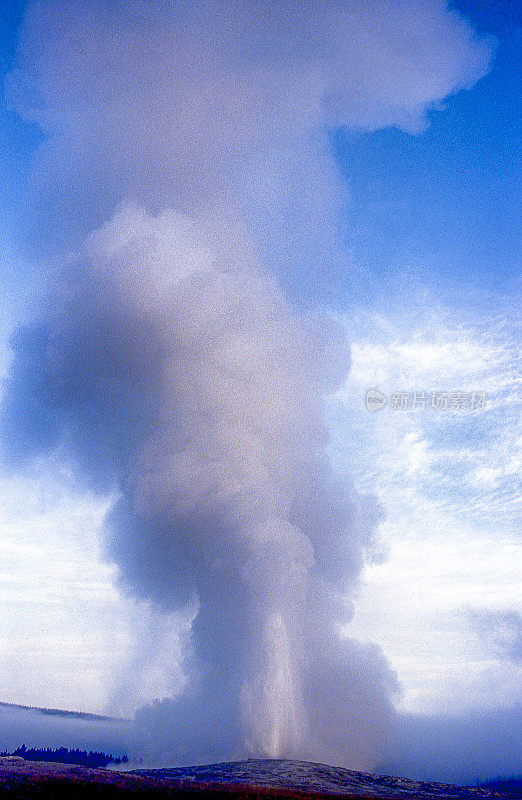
434, 231
442, 209
424, 265
435, 222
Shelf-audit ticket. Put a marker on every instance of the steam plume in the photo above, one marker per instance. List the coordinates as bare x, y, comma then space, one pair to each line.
170, 367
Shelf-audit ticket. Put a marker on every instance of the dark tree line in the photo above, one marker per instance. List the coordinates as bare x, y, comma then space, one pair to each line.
62, 755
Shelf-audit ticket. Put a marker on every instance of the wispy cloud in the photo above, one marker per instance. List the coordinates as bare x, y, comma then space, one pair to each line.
449, 483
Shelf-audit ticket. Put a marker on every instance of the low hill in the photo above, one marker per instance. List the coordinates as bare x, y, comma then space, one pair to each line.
246, 780
317, 779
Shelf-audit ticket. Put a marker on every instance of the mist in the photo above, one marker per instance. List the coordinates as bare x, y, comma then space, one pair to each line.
41, 728
465, 749
183, 208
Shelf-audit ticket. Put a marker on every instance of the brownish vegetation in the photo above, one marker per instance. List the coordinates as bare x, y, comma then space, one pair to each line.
26, 780
115, 787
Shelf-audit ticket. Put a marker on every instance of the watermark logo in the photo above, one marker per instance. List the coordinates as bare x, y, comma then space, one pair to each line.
375, 400
435, 401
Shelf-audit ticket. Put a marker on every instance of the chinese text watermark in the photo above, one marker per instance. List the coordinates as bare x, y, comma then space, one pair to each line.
436, 401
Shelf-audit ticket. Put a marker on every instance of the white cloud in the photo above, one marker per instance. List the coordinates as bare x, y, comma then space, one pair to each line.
65, 630
449, 483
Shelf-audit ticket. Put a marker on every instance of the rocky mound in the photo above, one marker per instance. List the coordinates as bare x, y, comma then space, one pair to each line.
302, 776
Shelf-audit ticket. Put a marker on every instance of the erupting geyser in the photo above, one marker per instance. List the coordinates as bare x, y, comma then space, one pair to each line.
171, 368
